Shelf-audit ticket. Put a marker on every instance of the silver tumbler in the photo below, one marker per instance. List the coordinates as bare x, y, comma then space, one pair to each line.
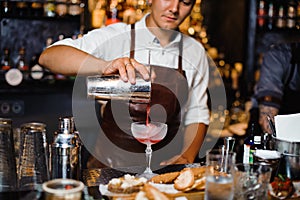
112, 87
65, 161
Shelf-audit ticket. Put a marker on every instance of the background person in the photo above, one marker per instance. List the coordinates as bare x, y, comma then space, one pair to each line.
278, 88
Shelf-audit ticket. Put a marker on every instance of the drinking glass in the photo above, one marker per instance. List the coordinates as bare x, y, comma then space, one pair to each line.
251, 181
219, 180
149, 134
63, 189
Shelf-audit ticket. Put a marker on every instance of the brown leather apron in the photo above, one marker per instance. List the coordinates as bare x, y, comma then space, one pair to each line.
169, 92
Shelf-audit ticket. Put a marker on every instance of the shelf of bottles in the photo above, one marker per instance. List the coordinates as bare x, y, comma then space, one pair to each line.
27, 28
105, 12
65, 9
278, 15
277, 21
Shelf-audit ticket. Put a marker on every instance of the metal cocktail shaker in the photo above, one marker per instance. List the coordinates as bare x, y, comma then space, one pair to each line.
65, 156
112, 87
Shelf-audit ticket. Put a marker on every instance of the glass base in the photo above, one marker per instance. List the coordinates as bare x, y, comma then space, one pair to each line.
146, 175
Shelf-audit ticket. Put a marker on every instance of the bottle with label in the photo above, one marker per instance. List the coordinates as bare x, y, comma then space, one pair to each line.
253, 140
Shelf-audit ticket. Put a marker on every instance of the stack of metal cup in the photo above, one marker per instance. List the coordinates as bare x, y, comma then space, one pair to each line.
65, 156
33, 156
8, 180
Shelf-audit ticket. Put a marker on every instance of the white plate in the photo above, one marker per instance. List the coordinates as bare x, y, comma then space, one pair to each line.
166, 188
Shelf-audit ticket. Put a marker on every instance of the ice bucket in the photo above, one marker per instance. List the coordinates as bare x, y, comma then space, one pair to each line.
290, 161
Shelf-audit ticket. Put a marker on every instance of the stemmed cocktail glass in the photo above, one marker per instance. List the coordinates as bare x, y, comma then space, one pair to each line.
149, 134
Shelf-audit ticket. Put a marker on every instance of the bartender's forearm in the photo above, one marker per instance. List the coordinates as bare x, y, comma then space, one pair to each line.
71, 61
193, 140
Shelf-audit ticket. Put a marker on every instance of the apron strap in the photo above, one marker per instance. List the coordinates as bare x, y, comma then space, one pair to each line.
132, 41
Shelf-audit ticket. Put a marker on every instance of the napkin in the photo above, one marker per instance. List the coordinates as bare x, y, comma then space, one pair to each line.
287, 127
267, 154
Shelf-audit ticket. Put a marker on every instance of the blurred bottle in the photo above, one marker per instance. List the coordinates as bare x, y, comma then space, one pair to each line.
49, 8
291, 14
22, 9
253, 140
129, 14
22, 64
61, 7
99, 14
13, 76
281, 21
271, 17
5, 61
261, 14
74, 7
37, 9
6, 8
112, 12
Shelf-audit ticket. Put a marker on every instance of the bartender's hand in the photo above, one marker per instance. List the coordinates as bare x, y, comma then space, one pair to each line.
127, 69
264, 111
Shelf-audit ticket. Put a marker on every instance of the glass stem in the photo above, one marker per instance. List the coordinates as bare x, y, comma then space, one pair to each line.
148, 158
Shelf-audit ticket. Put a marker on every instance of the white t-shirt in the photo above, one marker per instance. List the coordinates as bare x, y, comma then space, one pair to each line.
113, 42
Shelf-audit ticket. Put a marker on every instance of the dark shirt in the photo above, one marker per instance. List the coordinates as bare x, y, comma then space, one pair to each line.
280, 76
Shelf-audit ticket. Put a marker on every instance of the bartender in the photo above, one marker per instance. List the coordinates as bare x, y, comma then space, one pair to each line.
178, 61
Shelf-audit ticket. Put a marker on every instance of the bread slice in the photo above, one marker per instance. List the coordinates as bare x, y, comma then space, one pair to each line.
153, 193
185, 179
127, 184
166, 178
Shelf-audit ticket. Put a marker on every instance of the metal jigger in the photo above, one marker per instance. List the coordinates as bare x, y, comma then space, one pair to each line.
65, 151
229, 143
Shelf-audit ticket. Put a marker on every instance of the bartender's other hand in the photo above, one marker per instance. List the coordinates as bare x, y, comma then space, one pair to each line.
178, 159
238, 128
265, 111
127, 68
